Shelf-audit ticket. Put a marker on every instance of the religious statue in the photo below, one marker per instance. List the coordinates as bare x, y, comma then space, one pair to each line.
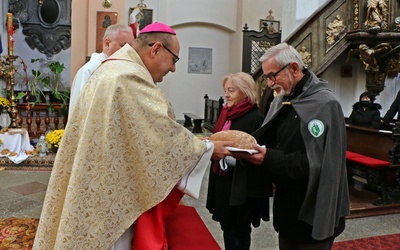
270, 28
305, 56
376, 18
397, 24
334, 30
369, 55
378, 61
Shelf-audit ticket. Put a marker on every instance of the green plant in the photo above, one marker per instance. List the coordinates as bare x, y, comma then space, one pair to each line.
52, 83
7, 94
36, 89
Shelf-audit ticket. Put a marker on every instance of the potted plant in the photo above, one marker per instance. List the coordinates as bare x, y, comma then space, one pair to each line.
36, 93
49, 86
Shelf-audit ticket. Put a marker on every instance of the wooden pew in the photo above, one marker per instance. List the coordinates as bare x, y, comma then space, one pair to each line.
212, 109
373, 159
197, 120
371, 142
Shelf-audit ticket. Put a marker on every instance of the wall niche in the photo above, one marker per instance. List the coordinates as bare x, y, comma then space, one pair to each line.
46, 24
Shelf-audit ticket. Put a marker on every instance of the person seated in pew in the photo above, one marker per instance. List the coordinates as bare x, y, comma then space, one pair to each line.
365, 112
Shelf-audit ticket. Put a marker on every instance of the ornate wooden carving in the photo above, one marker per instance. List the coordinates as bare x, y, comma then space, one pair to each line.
255, 43
48, 27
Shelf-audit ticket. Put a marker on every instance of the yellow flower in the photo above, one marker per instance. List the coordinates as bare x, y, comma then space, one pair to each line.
54, 138
4, 103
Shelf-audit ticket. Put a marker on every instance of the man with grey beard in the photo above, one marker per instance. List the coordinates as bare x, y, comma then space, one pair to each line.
305, 153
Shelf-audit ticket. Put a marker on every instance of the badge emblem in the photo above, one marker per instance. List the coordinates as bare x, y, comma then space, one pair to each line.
316, 128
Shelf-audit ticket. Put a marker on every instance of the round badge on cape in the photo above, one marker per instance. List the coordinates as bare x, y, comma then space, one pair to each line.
316, 128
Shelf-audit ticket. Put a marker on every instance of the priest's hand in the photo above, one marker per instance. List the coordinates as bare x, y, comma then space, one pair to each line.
256, 159
220, 151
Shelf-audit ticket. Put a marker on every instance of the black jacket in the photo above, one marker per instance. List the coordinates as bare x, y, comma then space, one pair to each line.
243, 193
394, 108
369, 118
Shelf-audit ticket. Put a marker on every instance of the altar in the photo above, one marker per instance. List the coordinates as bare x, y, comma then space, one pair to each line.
14, 146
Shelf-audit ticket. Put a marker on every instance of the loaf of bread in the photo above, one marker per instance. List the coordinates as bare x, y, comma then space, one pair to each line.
239, 138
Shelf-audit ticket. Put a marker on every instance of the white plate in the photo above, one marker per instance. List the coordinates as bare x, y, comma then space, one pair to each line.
250, 151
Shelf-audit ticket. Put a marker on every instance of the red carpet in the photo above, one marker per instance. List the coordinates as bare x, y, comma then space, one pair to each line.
384, 242
185, 230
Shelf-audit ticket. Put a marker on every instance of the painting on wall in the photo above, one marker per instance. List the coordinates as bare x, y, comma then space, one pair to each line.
200, 60
104, 19
144, 17
271, 26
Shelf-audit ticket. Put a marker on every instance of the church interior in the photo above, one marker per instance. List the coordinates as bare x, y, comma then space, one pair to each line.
353, 44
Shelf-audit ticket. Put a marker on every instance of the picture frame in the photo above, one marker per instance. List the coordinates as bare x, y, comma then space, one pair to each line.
200, 60
346, 71
146, 19
104, 19
272, 26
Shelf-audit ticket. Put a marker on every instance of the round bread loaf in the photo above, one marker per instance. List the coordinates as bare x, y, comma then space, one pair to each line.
239, 138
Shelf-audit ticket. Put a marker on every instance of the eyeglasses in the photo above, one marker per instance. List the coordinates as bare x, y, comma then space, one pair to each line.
175, 59
272, 76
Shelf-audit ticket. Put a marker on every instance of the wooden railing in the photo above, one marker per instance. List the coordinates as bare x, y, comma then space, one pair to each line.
38, 118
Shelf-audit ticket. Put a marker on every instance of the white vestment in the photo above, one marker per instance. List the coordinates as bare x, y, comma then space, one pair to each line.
82, 76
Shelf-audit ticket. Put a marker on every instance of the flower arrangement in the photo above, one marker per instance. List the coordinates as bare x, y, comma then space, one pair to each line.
54, 138
4, 103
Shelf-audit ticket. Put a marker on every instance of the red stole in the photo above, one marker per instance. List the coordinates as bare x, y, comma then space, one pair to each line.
149, 228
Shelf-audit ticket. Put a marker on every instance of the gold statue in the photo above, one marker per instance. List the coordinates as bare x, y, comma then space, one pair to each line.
334, 30
376, 18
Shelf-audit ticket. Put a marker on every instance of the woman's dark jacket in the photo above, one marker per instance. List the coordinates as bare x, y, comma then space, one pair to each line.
369, 118
242, 186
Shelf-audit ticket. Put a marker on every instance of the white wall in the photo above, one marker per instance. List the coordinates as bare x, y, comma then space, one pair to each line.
186, 91
207, 24
346, 89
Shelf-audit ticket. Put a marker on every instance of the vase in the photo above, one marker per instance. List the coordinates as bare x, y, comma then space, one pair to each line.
5, 118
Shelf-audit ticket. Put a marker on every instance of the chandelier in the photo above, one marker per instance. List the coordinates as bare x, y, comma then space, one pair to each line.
141, 5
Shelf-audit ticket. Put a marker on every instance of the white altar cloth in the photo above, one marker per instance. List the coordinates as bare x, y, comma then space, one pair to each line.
16, 143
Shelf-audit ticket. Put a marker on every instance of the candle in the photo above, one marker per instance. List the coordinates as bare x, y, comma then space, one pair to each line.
10, 29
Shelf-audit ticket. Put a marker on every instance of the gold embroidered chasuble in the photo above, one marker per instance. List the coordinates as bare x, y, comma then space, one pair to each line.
121, 154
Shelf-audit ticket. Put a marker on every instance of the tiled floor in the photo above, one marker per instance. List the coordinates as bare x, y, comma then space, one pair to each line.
22, 194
